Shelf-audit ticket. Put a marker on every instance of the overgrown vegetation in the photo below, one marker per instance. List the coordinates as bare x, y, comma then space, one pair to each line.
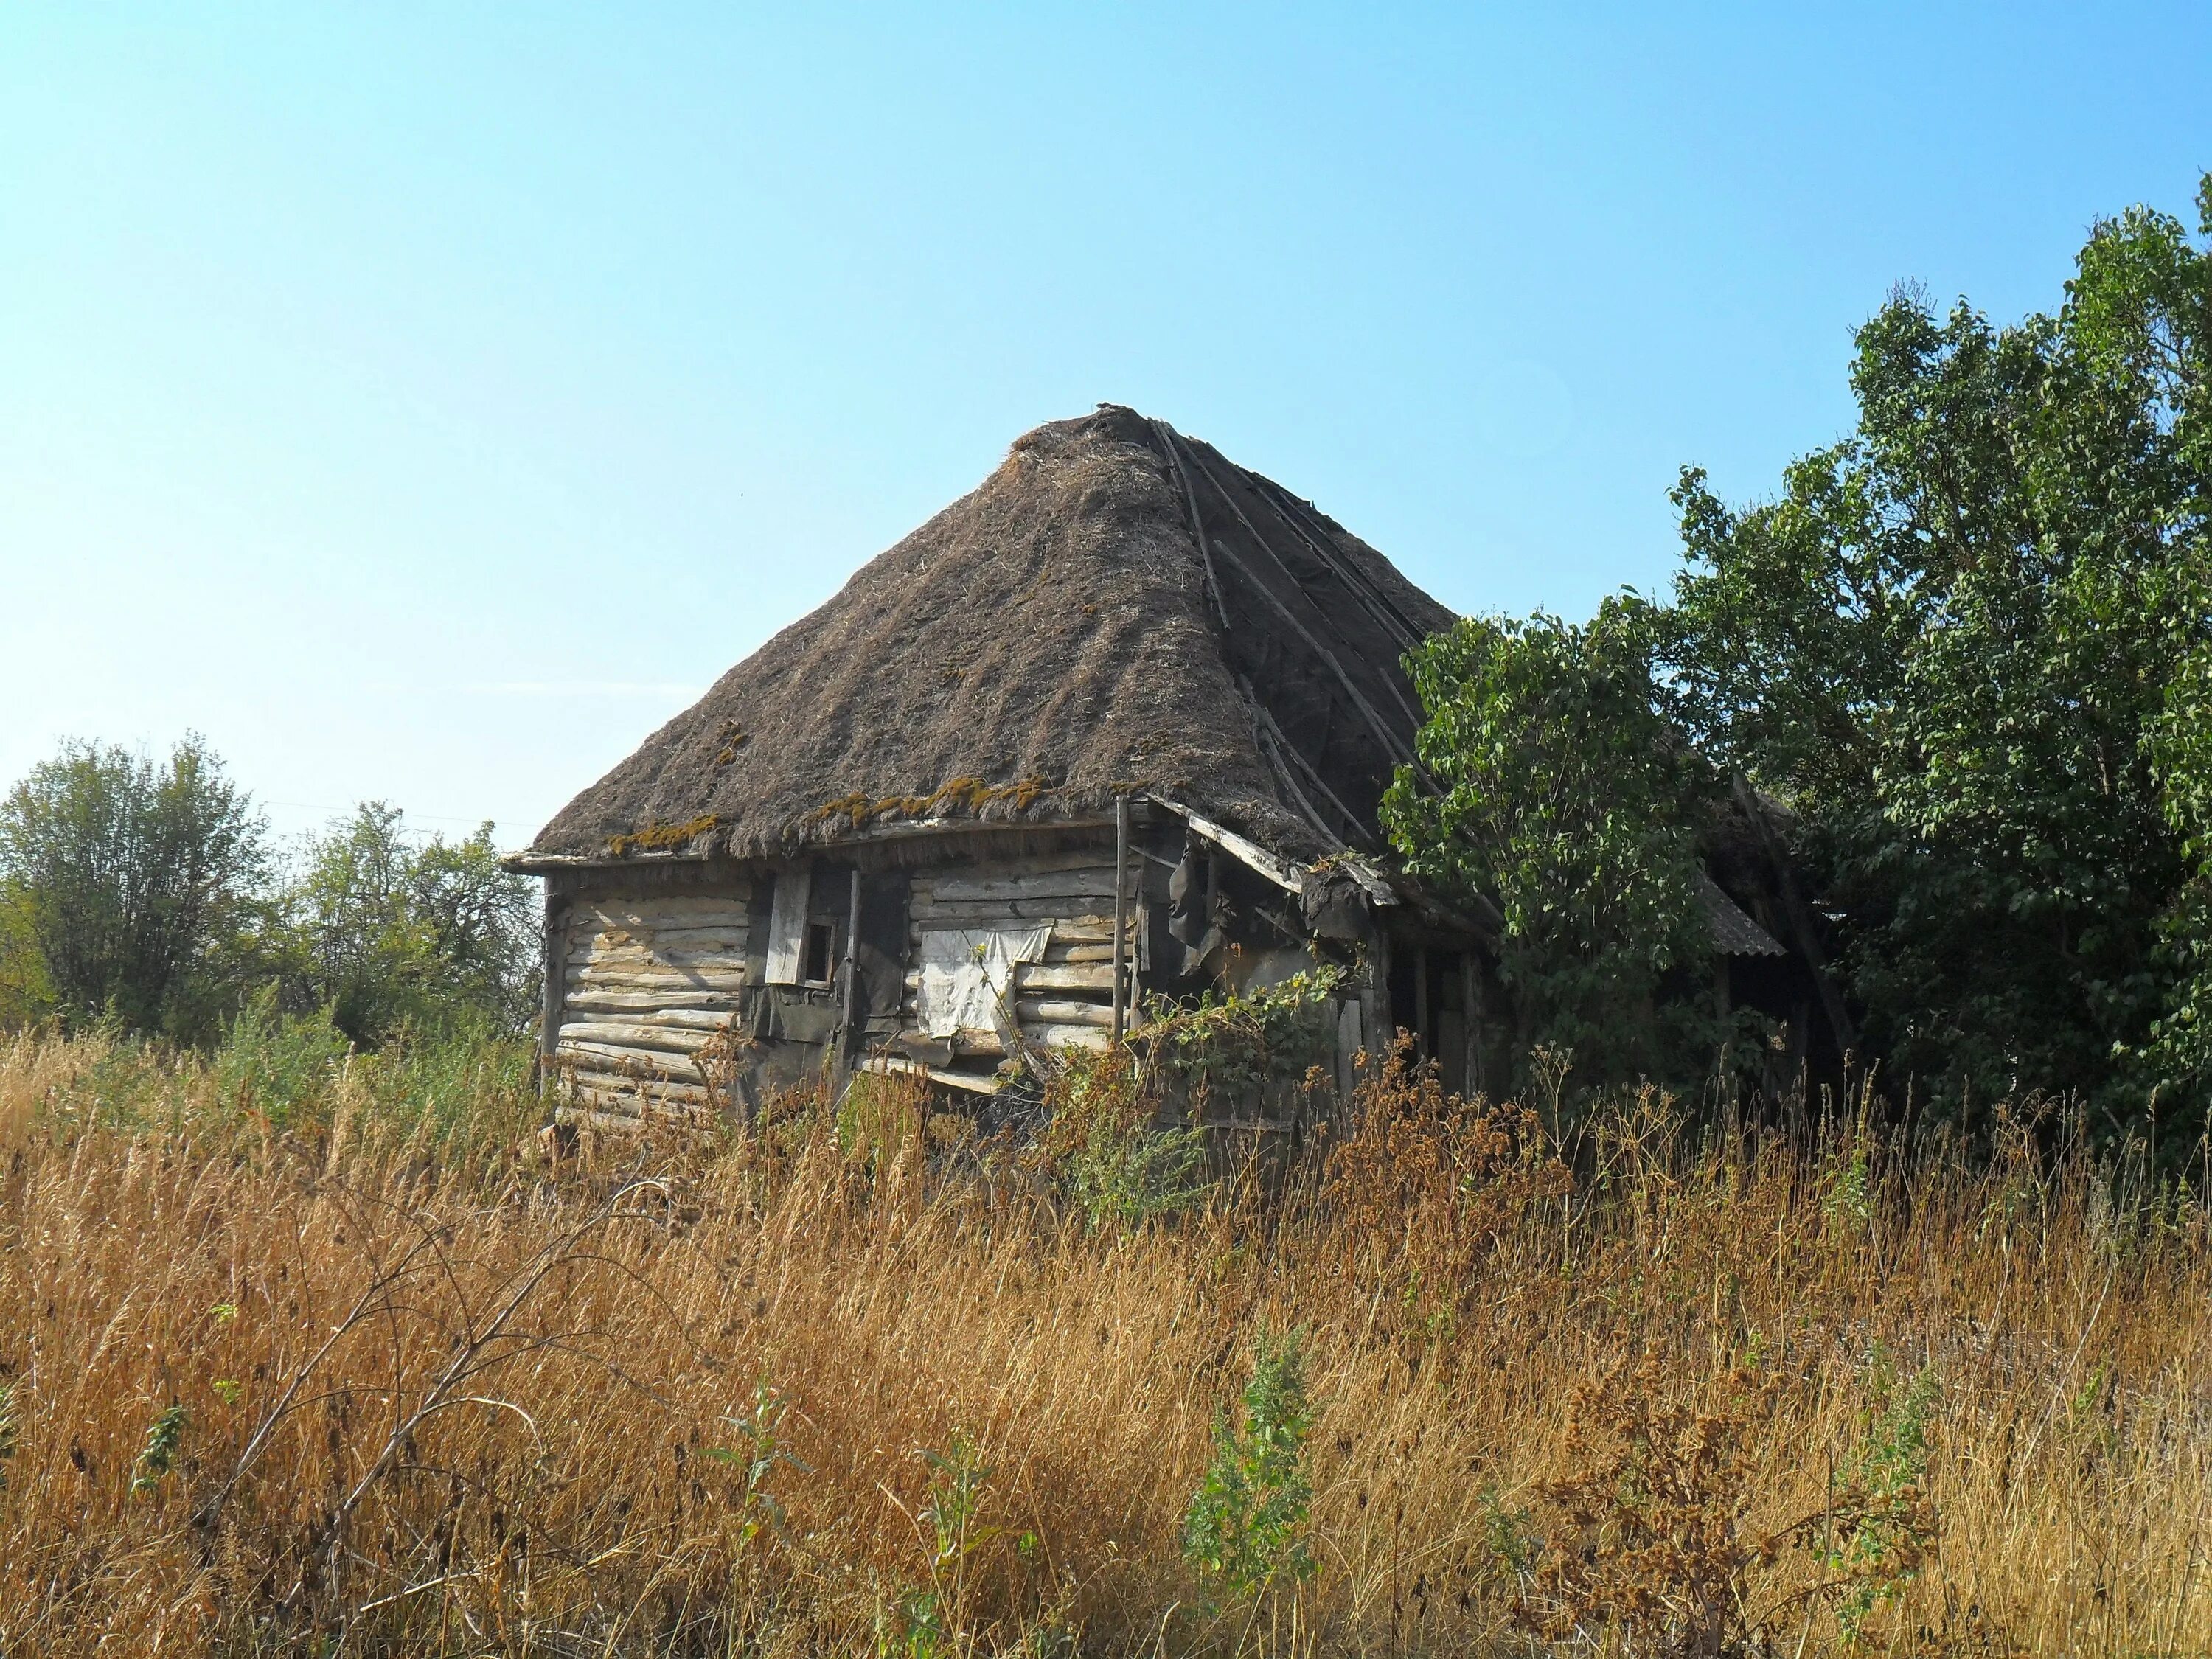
309, 1350
148, 898
1969, 651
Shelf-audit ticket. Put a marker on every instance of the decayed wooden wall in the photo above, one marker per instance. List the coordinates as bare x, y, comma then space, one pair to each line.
648, 980
1066, 1000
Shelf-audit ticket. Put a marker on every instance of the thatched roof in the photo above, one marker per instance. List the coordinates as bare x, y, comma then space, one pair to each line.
1116, 608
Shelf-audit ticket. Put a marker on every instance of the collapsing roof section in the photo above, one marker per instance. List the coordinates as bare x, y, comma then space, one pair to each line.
1117, 609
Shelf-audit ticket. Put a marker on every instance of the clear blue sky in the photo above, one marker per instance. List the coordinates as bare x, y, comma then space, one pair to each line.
424, 402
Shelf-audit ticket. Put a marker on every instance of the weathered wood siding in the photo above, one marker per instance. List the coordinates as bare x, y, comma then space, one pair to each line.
648, 980
1066, 999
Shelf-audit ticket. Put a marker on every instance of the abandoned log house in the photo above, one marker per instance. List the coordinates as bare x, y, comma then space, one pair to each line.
1113, 725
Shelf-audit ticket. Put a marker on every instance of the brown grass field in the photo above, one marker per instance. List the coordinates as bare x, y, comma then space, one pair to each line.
350, 1365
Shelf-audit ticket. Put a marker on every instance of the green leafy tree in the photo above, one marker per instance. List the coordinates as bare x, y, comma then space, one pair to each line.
127, 887
387, 933
1967, 648
1553, 786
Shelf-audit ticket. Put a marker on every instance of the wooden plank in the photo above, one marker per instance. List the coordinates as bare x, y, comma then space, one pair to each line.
1065, 884
623, 1034
1098, 854
705, 974
596, 1000
999, 913
722, 981
735, 921
1065, 976
677, 1020
1047, 1011
708, 954
1281, 870
1068, 1036
652, 1064
1066, 930
1056, 952
605, 1083
733, 900
679, 939
900, 1065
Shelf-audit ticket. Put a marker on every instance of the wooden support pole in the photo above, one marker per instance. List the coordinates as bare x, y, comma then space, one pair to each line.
846, 1045
1120, 913
549, 1033
1424, 1036
1470, 1004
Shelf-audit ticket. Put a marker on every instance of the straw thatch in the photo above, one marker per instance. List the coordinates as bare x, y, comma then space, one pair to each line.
1116, 608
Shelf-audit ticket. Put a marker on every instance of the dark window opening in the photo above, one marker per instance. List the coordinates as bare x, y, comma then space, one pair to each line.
814, 966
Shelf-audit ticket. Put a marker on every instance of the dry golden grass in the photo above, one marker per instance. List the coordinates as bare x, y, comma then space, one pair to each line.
441, 1396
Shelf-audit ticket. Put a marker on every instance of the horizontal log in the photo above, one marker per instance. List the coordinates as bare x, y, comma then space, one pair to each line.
1058, 953
996, 913
1065, 976
629, 1034
1063, 883
1067, 1037
712, 1021
652, 912
708, 954
606, 1084
899, 1065
700, 976
663, 991
651, 1063
728, 933
660, 944
1097, 855
596, 1000
1045, 1010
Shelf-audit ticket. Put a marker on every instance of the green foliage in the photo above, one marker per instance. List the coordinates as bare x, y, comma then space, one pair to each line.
1880, 1490
1551, 785
160, 1453
761, 1428
1246, 1524
125, 887
1240, 1045
280, 1066
1970, 648
387, 933
146, 896
1106, 1152
933, 1620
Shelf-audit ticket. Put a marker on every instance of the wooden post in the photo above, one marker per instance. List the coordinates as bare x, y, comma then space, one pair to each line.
845, 1019
1424, 1040
1120, 913
1470, 1004
549, 1032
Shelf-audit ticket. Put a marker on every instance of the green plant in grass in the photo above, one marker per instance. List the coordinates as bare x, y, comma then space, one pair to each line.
1245, 1528
160, 1454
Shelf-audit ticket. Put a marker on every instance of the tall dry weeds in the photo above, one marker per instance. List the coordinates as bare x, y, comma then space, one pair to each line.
888, 1389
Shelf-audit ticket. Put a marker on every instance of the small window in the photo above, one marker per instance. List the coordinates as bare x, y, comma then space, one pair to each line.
821, 936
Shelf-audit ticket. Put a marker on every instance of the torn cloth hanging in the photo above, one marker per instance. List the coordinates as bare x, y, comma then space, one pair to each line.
966, 973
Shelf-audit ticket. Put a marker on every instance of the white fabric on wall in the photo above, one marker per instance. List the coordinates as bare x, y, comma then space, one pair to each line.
966, 971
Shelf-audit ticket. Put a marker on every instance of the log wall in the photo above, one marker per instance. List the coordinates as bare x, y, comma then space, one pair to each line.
648, 980
1066, 999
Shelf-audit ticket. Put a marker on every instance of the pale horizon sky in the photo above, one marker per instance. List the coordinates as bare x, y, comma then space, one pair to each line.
425, 403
